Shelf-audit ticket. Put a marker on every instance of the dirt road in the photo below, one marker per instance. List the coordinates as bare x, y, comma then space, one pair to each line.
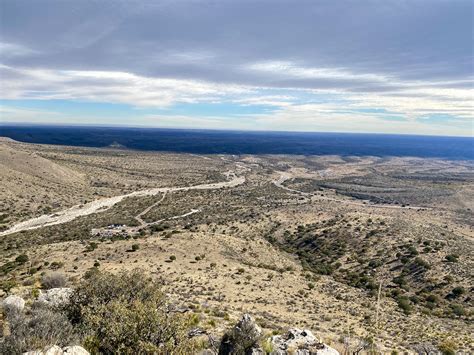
284, 175
104, 204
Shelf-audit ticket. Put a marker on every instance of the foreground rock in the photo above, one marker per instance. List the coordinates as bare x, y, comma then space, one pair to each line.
243, 338
56, 350
55, 297
13, 303
246, 337
300, 342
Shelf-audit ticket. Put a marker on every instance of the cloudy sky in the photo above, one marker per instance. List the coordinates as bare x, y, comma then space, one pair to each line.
392, 66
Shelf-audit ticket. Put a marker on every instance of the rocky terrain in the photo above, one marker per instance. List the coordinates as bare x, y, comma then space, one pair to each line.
365, 253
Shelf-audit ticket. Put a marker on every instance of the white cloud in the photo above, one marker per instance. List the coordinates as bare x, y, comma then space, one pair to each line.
110, 86
292, 70
14, 50
296, 109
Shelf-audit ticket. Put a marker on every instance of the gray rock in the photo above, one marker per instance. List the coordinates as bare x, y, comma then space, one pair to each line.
56, 350
300, 342
13, 303
243, 338
55, 296
75, 350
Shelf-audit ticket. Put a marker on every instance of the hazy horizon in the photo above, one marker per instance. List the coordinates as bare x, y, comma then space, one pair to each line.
99, 125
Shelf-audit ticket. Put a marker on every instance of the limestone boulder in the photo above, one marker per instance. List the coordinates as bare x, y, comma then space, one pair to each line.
13, 303
55, 297
300, 342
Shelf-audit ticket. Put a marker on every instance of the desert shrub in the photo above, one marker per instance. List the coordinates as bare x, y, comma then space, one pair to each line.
458, 291
399, 280
127, 313
135, 247
458, 310
447, 347
38, 329
56, 265
21, 259
452, 258
7, 285
53, 280
412, 250
7, 267
91, 247
404, 304
432, 298
422, 263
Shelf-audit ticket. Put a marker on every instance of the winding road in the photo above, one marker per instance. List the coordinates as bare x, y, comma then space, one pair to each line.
106, 203
284, 176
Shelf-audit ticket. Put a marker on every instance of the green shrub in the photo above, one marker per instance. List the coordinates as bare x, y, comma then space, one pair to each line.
452, 258
404, 304
135, 247
447, 347
458, 291
21, 259
91, 247
127, 313
458, 310
422, 263
432, 298
56, 265
7, 285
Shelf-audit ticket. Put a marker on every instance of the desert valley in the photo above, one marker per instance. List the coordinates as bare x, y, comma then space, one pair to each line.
366, 252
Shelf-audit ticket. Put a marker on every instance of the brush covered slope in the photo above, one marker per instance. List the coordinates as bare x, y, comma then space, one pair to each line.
356, 249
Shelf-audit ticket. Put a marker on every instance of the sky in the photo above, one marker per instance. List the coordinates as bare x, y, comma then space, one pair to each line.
391, 66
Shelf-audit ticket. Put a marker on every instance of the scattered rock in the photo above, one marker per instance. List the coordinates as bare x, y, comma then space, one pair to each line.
55, 296
13, 303
56, 350
300, 342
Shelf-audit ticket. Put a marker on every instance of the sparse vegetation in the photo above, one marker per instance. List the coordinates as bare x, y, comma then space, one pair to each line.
319, 259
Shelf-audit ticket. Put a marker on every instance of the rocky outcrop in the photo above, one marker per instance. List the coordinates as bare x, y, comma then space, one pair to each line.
244, 338
56, 350
55, 297
13, 303
300, 342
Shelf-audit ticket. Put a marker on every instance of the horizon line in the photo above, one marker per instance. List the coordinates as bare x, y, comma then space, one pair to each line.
72, 125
